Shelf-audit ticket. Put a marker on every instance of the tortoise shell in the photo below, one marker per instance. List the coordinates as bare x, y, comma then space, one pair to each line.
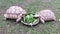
45, 15
14, 12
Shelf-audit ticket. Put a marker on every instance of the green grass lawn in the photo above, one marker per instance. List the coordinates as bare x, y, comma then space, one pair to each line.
31, 6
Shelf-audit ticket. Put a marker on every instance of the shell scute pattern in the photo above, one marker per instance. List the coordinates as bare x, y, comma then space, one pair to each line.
14, 9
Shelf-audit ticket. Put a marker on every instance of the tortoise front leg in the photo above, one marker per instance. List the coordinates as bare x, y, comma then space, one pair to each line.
18, 19
42, 20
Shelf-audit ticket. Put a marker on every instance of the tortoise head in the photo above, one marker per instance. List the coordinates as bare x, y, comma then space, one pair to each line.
40, 18
36, 15
24, 12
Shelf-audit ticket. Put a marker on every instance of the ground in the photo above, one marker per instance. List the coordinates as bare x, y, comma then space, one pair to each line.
31, 6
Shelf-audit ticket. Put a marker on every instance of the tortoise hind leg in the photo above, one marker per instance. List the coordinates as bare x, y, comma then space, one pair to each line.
5, 19
5, 16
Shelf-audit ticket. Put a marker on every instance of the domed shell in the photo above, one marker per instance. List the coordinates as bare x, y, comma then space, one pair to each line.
14, 11
46, 15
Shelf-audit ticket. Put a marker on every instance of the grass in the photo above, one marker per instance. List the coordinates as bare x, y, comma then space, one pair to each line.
31, 6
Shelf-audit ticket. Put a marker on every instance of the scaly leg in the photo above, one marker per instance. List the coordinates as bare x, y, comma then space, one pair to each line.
5, 16
18, 19
42, 20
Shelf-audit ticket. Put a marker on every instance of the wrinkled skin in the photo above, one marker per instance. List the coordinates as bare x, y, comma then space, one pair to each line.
45, 15
15, 12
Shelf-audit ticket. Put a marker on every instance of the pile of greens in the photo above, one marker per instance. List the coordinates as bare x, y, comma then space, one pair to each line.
29, 18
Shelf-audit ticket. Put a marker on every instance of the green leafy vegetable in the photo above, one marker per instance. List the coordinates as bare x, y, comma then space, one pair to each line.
29, 18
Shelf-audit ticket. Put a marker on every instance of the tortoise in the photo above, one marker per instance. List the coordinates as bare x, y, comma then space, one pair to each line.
45, 15
15, 12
